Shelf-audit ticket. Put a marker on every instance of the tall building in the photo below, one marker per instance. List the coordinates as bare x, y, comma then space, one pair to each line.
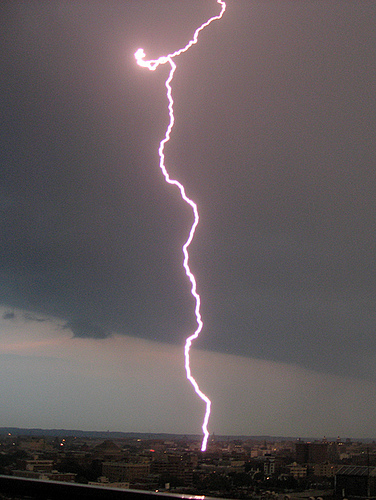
269, 465
311, 453
124, 471
180, 468
297, 471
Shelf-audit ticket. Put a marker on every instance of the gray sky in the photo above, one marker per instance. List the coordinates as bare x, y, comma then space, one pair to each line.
274, 139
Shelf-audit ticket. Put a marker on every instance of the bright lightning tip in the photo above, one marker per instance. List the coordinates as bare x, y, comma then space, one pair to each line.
139, 54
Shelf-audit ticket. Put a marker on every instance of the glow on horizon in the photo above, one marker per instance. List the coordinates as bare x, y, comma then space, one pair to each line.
152, 65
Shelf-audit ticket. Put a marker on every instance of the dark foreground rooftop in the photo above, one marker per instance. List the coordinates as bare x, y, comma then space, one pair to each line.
55, 490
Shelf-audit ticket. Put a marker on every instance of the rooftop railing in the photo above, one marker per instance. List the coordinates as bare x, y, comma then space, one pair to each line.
20, 488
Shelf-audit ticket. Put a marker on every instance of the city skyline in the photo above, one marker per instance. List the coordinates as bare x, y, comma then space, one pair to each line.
274, 138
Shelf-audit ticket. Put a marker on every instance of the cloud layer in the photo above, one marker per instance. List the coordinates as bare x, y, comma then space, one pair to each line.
51, 380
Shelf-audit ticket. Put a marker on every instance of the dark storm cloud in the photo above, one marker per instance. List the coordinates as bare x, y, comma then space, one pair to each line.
33, 317
276, 145
84, 328
9, 315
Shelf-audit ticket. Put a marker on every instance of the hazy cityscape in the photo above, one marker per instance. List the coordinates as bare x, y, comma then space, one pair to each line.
241, 467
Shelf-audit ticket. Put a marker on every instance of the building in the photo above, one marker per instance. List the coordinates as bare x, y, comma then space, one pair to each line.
108, 450
355, 481
34, 444
124, 471
67, 477
297, 470
37, 465
311, 453
269, 466
326, 470
103, 481
177, 467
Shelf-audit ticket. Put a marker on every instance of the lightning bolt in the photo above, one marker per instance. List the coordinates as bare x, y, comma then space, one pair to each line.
152, 65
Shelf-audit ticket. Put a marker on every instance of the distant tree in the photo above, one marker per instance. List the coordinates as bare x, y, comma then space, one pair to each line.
8, 459
241, 479
217, 482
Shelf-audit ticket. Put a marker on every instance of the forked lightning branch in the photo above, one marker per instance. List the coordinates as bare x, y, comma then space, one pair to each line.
152, 65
